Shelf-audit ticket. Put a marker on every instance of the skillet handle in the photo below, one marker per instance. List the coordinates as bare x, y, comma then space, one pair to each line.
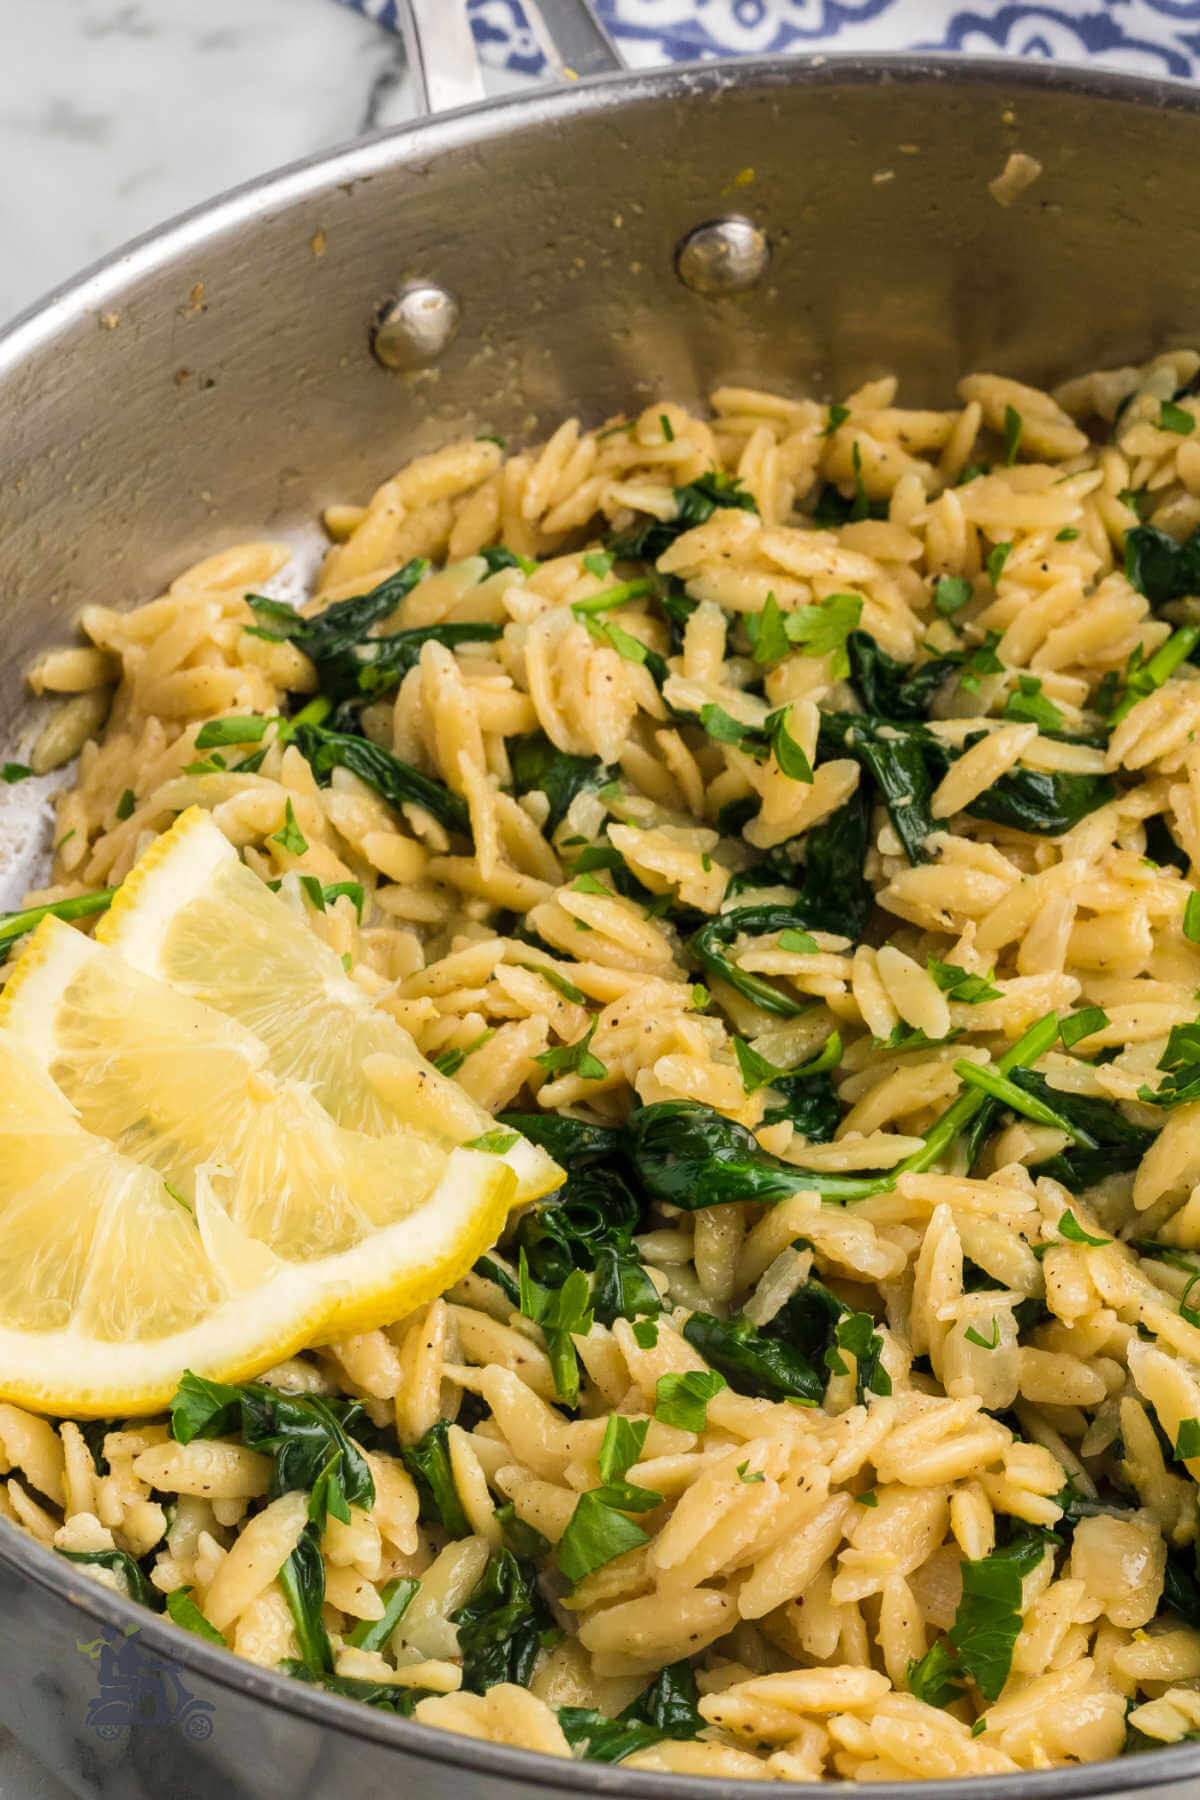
569, 35
572, 38
445, 64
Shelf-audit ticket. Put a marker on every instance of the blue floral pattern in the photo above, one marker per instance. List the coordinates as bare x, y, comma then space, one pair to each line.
1146, 37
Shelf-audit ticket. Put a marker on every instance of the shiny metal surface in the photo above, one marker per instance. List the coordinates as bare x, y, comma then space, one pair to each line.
572, 38
446, 60
159, 409
416, 328
723, 256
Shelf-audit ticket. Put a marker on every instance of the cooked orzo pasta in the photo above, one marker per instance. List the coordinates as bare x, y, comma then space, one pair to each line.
789, 817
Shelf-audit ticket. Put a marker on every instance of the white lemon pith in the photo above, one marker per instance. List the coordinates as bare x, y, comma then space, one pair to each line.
192, 915
175, 1194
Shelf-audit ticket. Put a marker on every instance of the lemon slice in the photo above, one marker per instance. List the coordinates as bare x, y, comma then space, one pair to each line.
191, 914
166, 1202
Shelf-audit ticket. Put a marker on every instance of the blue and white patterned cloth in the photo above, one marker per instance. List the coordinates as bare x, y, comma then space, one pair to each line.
1146, 37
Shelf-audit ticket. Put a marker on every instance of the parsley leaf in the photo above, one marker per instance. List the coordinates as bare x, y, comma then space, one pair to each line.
1187, 1440
1181, 1063
682, 1400
1014, 425
241, 728
495, 1142
1077, 1026
599, 1529
974, 1337
951, 593
1073, 1233
856, 1332
998, 555
622, 1445
935, 1677
985, 1629
957, 984
822, 630
769, 641
1175, 418
1028, 704
449, 1062
788, 753
560, 1312
576, 1058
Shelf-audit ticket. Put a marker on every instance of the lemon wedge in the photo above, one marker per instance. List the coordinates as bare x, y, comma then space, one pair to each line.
168, 1202
192, 915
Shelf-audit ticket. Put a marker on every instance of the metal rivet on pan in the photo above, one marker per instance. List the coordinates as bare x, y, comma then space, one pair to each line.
414, 329
723, 256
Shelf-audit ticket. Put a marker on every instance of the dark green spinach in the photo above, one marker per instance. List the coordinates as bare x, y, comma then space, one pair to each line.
503, 1626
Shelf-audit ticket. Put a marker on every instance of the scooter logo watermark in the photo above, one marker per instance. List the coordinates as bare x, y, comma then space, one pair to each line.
139, 1691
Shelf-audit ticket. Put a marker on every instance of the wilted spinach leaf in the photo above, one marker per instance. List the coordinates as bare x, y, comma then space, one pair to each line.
538, 767
667, 1709
1159, 567
302, 1579
503, 1625
695, 504
693, 1157
396, 782
141, 1588
307, 1435
428, 1462
891, 689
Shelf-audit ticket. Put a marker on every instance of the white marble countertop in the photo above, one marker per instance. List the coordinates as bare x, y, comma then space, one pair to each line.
116, 114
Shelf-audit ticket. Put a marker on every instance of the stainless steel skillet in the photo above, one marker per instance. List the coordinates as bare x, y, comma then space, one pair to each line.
217, 379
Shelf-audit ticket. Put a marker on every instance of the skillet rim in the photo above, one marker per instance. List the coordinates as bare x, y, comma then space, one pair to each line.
95, 289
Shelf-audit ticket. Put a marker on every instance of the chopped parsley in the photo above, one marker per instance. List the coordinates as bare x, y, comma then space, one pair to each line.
951, 593
561, 1312
974, 1337
819, 630
289, 836
1176, 418
600, 1529
958, 985
1027, 704
682, 1400
1187, 1440
1077, 1026
496, 1142
998, 555
1191, 918
575, 1059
